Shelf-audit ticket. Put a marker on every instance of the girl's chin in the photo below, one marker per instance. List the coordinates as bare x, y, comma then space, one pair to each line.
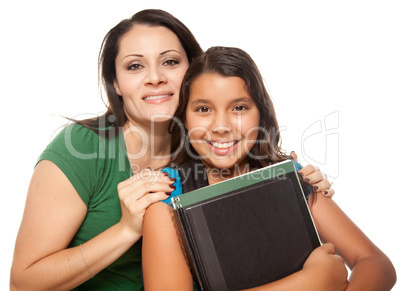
225, 165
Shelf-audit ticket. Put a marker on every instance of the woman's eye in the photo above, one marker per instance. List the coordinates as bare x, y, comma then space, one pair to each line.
202, 109
135, 67
170, 62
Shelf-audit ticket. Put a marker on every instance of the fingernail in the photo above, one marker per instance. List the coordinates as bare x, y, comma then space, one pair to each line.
315, 188
325, 192
172, 179
307, 180
168, 193
165, 174
173, 187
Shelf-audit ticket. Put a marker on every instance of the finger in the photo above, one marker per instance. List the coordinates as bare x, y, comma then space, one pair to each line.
151, 198
154, 187
316, 177
329, 248
329, 193
321, 186
148, 174
307, 170
294, 156
137, 189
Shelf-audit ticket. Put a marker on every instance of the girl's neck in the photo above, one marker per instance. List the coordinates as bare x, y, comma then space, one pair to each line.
147, 146
216, 175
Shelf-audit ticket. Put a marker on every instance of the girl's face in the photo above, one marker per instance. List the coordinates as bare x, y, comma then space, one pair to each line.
150, 66
222, 121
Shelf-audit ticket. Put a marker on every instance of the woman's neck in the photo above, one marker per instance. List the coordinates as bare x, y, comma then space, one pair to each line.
147, 146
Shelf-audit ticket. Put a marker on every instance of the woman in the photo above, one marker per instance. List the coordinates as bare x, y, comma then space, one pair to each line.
83, 217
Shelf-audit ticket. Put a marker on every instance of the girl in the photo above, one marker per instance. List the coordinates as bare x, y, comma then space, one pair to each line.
231, 127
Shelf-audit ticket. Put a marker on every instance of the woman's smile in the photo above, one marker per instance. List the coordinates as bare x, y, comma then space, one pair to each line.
157, 98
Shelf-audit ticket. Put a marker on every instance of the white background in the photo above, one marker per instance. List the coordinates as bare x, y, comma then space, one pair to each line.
333, 69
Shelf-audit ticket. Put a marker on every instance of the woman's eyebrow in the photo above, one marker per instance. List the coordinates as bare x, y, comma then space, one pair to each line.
168, 51
141, 56
133, 55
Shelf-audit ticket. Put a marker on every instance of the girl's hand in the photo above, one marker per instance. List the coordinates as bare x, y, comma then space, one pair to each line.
326, 270
140, 191
316, 178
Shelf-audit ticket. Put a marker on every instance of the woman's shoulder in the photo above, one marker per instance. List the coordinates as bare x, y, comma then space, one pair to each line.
76, 140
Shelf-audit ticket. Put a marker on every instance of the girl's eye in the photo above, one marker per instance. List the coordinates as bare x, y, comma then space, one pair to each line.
240, 108
202, 109
135, 67
171, 63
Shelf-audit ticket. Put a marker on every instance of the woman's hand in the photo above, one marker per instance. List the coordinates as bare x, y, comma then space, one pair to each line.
316, 178
140, 191
326, 269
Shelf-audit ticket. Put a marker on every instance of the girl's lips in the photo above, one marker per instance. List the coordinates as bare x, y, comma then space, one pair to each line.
222, 145
223, 148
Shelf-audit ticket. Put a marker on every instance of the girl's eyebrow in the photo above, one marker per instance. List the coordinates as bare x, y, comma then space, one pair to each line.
237, 100
243, 99
199, 101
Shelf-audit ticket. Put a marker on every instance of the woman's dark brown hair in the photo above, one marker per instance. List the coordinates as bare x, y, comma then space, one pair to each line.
115, 116
228, 61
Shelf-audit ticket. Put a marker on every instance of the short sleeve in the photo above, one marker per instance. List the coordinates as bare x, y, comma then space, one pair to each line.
75, 152
178, 191
298, 166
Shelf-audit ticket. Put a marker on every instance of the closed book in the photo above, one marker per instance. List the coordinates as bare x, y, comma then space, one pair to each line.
247, 231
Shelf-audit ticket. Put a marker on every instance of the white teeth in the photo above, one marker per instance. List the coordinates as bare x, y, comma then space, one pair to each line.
224, 145
155, 97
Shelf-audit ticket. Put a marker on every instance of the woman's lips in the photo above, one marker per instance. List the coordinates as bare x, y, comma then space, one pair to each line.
157, 98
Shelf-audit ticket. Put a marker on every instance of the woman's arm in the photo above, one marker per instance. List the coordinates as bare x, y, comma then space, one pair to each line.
316, 178
371, 268
53, 213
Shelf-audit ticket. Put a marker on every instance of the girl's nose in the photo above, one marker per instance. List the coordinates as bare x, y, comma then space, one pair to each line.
222, 124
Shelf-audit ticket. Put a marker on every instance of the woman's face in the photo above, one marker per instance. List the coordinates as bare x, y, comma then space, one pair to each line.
222, 121
150, 66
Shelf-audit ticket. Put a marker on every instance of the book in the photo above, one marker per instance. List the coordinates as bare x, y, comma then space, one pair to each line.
246, 231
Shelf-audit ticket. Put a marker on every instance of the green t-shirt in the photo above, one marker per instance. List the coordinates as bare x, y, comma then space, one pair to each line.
95, 165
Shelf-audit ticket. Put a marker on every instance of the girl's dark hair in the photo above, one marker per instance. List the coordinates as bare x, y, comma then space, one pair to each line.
229, 61
115, 116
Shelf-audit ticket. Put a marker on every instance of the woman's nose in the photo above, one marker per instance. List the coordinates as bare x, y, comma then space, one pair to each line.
155, 76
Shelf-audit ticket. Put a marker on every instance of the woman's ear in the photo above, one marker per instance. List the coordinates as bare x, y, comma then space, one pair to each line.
117, 88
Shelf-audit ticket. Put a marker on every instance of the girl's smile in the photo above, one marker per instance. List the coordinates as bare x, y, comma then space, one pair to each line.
223, 148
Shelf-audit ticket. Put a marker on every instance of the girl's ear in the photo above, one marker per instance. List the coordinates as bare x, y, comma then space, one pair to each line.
117, 88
